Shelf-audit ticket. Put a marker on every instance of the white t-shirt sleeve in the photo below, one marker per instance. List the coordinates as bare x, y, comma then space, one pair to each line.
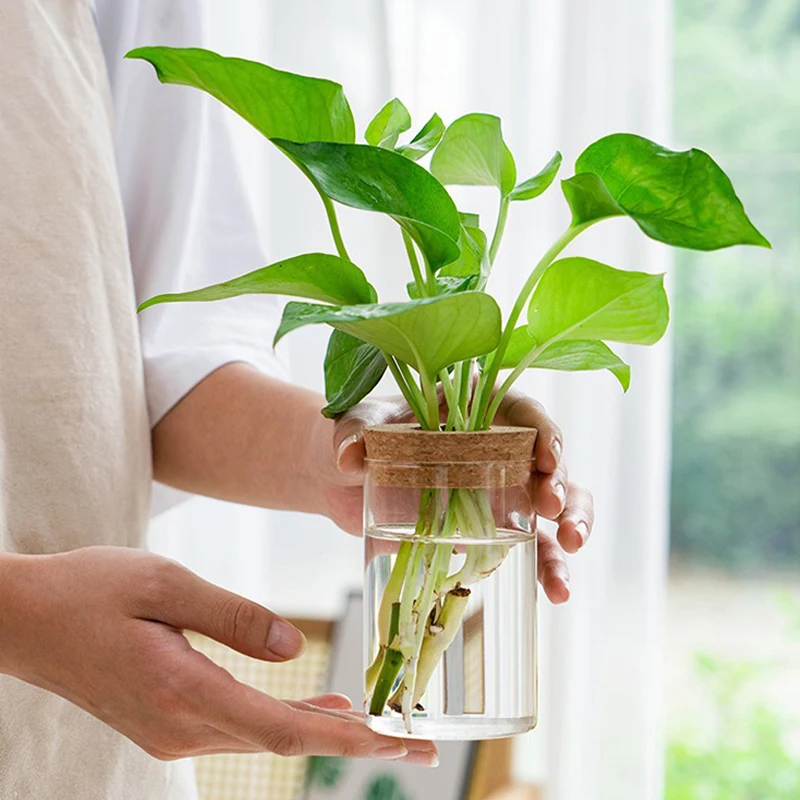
190, 220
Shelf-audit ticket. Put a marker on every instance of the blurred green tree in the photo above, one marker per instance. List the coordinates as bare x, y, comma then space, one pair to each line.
736, 412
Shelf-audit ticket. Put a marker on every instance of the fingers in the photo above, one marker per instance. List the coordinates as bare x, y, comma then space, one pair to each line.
186, 601
519, 409
552, 567
302, 729
549, 491
576, 521
332, 700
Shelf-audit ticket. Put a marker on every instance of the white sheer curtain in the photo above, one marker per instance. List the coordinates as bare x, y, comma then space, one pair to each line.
560, 73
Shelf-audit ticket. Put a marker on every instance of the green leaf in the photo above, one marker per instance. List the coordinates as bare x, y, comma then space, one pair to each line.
582, 299
317, 276
388, 124
539, 183
447, 284
352, 370
680, 198
429, 334
374, 179
278, 104
569, 356
430, 134
474, 257
589, 199
472, 153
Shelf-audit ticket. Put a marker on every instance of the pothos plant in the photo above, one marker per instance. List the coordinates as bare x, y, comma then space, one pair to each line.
450, 332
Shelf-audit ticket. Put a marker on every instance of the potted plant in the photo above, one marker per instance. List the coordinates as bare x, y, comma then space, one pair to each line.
450, 535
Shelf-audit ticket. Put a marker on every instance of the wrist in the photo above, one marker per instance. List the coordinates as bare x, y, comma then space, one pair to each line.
17, 577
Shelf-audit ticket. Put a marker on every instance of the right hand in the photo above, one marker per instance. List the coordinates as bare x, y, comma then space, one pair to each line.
101, 627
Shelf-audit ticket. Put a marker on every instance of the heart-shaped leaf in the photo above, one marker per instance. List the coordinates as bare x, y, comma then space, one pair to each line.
276, 103
539, 183
430, 134
472, 153
570, 356
387, 125
317, 276
680, 198
374, 179
582, 299
352, 370
429, 334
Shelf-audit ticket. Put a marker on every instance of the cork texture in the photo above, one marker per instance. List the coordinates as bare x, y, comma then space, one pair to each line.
406, 455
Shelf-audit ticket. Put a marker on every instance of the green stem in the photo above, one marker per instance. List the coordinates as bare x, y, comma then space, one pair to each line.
419, 281
454, 417
407, 385
333, 221
392, 662
502, 216
480, 419
432, 401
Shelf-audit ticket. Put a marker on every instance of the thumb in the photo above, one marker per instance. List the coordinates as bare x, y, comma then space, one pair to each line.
348, 433
195, 604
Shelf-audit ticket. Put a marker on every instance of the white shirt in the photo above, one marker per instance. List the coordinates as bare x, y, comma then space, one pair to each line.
190, 222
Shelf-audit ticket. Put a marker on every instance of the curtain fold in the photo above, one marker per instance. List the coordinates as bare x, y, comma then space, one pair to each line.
561, 73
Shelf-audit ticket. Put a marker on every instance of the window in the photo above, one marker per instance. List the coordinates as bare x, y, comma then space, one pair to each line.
734, 625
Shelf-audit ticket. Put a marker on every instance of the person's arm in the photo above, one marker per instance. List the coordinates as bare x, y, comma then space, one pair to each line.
101, 627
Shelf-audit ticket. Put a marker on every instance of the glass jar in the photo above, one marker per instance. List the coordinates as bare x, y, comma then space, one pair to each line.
450, 590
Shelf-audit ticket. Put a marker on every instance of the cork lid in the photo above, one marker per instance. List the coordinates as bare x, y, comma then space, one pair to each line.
499, 456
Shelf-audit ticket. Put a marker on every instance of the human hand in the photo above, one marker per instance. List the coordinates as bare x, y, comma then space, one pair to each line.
553, 495
101, 627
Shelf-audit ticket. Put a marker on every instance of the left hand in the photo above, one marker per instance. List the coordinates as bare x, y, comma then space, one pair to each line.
554, 496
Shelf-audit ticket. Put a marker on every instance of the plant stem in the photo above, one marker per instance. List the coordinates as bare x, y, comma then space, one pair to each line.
333, 221
419, 281
392, 662
407, 385
454, 417
480, 419
432, 400
502, 216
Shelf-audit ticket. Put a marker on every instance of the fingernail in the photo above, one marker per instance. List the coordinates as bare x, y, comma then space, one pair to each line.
285, 640
422, 758
561, 494
348, 442
555, 449
392, 752
565, 584
582, 529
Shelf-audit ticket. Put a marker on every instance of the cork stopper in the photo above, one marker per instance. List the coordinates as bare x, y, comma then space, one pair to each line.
407, 455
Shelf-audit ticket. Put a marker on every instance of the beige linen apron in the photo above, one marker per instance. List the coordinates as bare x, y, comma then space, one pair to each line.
74, 435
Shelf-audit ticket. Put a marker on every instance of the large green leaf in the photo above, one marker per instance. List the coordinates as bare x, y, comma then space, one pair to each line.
569, 356
387, 125
317, 276
539, 183
582, 299
374, 179
429, 334
472, 152
429, 135
681, 198
352, 370
278, 104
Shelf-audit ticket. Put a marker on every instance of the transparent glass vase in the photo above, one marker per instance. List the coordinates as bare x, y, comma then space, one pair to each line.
450, 588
